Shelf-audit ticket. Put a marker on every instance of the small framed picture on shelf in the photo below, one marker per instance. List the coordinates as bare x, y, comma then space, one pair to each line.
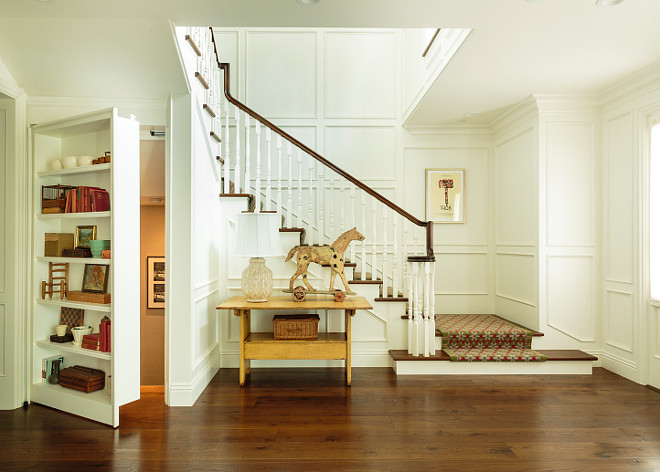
155, 282
84, 234
95, 278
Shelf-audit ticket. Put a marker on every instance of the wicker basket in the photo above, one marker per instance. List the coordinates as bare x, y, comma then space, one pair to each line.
296, 326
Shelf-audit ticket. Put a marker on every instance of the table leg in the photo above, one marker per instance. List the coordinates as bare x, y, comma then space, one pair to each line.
245, 330
348, 314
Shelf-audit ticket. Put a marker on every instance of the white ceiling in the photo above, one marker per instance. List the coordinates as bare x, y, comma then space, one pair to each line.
124, 48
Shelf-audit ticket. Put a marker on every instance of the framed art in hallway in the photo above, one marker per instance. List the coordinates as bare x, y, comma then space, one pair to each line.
155, 282
445, 195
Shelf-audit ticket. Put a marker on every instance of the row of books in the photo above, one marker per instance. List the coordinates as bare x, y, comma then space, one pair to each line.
98, 341
84, 199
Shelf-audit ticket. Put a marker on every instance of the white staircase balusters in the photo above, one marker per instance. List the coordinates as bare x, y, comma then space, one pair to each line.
404, 260
289, 202
395, 254
342, 208
237, 164
331, 216
409, 311
415, 309
374, 248
384, 261
319, 208
321, 212
352, 246
279, 180
248, 182
431, 291
257, 182
363, 257
300, 220
427, 307
269, 201
310, 205
227, 187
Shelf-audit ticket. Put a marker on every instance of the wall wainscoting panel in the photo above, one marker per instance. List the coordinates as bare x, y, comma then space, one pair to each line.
619, 320
360, 74
570, 186
279, 84
205, 325
570, 288
461, 273
619, 200
515, 184
366, 152
3, 200
3, 340
516, 277
474, 232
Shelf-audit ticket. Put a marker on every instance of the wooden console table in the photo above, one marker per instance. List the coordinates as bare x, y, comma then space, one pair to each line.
264, 346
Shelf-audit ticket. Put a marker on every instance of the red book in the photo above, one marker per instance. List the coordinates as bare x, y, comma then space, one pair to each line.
108, 337
91, 341
103, 331
101, 200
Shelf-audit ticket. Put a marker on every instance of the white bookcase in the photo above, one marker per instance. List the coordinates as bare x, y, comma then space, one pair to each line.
91, 134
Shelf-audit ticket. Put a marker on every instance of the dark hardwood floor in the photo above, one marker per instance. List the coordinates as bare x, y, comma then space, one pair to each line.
306, 420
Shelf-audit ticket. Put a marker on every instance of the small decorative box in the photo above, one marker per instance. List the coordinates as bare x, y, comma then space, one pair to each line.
68, 337
82, 378
89, 297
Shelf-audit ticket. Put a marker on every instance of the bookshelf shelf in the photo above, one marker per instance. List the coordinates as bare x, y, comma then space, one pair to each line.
92, 134
76, 170
70, 348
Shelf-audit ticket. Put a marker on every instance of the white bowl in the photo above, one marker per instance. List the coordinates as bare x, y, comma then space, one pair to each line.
85, 161
79, 332
55, 164
69, 162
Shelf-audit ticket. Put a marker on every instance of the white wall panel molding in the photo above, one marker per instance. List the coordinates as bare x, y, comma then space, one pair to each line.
290, 88
570, 196
619, 320
461, 273
355, 86
5, 180
571, 300
516, 277
479, 135
227, 42
4, 342
508, 124
368, 152
571, 104
368, 329
205, 290
515, 189
619, 192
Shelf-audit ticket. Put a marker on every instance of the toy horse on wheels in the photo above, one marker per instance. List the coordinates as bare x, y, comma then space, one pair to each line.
332, 255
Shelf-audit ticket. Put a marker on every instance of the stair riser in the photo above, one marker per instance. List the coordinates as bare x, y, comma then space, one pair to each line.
491, 368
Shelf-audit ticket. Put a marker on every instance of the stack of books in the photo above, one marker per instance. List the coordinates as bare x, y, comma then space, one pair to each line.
91, 341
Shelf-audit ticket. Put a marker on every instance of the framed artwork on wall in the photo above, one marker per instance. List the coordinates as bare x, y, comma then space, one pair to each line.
155, 282
445, 195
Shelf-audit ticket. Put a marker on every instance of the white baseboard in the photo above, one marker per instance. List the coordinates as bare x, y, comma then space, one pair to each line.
186, 394
619, 366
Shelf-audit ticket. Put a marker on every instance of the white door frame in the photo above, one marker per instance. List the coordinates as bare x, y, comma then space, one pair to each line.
13, 293
650, 310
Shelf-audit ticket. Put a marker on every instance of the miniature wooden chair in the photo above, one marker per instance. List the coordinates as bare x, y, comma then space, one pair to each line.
58, 280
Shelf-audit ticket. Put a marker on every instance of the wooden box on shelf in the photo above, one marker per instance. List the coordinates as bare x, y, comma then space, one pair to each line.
53, 198
82, 378
77, 252
305, 326
57, 243
87, 297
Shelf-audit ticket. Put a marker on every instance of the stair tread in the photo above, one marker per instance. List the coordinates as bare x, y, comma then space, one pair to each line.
551, 355
390, 299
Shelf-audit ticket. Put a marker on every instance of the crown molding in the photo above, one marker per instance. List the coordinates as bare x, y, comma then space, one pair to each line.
523, 111
589, 103
642, 82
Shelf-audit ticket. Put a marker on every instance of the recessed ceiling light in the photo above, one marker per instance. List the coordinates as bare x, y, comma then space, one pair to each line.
308, 2
608, 3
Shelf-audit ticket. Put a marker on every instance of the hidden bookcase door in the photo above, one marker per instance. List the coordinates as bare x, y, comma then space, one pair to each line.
62, 152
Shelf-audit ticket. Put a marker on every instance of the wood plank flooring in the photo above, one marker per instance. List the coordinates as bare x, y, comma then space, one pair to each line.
307, 420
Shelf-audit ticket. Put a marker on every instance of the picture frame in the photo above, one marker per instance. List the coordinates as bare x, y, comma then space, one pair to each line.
84, 234
155, 282
445, 195
95, 278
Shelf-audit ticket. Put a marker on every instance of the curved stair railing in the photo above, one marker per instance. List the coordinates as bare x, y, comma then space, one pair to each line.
313, 194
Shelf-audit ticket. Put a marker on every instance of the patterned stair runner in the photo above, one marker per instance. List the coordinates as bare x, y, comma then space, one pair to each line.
468, 338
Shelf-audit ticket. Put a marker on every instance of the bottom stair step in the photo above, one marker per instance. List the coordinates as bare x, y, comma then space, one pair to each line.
550, 354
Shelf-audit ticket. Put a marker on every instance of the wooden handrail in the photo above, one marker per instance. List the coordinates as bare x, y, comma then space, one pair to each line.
426, 224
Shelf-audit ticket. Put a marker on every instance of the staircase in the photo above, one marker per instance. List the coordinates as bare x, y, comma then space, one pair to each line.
262, 168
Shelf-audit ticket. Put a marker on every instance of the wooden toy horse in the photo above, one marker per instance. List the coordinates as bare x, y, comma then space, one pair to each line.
332, 255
